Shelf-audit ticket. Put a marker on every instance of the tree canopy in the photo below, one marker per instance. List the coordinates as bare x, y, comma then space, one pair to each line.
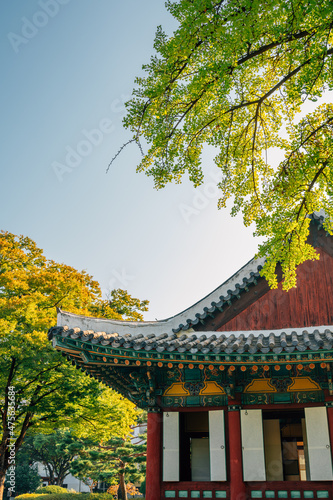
38, 388
121, 462
234, 76
26, 475
52, 451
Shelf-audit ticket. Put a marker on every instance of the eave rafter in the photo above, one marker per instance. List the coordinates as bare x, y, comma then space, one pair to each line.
96, 359
106, 356
132, 373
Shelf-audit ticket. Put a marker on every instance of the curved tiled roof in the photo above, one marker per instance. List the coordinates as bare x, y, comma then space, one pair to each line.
216, 300
252, 342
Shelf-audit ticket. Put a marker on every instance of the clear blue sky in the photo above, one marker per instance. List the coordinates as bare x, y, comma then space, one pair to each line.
67, 67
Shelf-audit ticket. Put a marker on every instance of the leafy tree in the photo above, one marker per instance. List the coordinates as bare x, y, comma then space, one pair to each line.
120, 462
37, 388
27, 477
52, 451
234, 75
120, 305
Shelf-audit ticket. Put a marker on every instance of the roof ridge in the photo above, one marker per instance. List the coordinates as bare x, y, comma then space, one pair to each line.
185, 319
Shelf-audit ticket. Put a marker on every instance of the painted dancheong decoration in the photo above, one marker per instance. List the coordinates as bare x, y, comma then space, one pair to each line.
238, 387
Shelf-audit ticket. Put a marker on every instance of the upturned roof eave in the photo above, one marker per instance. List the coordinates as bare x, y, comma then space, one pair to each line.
261, 342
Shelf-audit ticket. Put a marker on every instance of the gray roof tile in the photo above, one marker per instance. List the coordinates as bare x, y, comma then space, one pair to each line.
311, 339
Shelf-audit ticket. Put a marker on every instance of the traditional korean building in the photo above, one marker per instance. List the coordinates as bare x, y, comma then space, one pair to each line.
238, 387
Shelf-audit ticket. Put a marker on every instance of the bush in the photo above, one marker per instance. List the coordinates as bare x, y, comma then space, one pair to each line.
29, 496
95, 496
66, 496
61, 496
51, 489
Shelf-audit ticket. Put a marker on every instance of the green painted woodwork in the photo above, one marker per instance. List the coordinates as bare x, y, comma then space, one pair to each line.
290, 397
220, 494
281, 398
308, 494
269, 494
195, 494
207, 494
126, 370
308, 397
170, 494
193, 401
194, 374
256, 494
295, 494
183, 494
282, 494
322, 494
255, 399
94, 354
179, 401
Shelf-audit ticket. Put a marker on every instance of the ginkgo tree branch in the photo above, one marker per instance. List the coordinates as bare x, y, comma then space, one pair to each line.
233, 75
304, 141
312, 183
236, 107
242, 60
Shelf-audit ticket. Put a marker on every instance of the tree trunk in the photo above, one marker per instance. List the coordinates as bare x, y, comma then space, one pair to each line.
2, 483
122, 488
92, 486
4, 458
60, 478
51, 477
63, 470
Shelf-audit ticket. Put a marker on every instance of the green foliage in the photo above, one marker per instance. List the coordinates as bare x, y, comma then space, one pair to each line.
51, 489
120, 305
30, 496
51, 450
67, 496
26, 475
143, 487
107, 462
119, 461
234, 75
49, 391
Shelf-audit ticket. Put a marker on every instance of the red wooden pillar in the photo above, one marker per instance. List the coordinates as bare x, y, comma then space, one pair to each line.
154, 454
237, 485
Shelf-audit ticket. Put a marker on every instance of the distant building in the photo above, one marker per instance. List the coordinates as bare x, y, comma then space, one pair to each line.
73, 483
70, 482
238, 387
